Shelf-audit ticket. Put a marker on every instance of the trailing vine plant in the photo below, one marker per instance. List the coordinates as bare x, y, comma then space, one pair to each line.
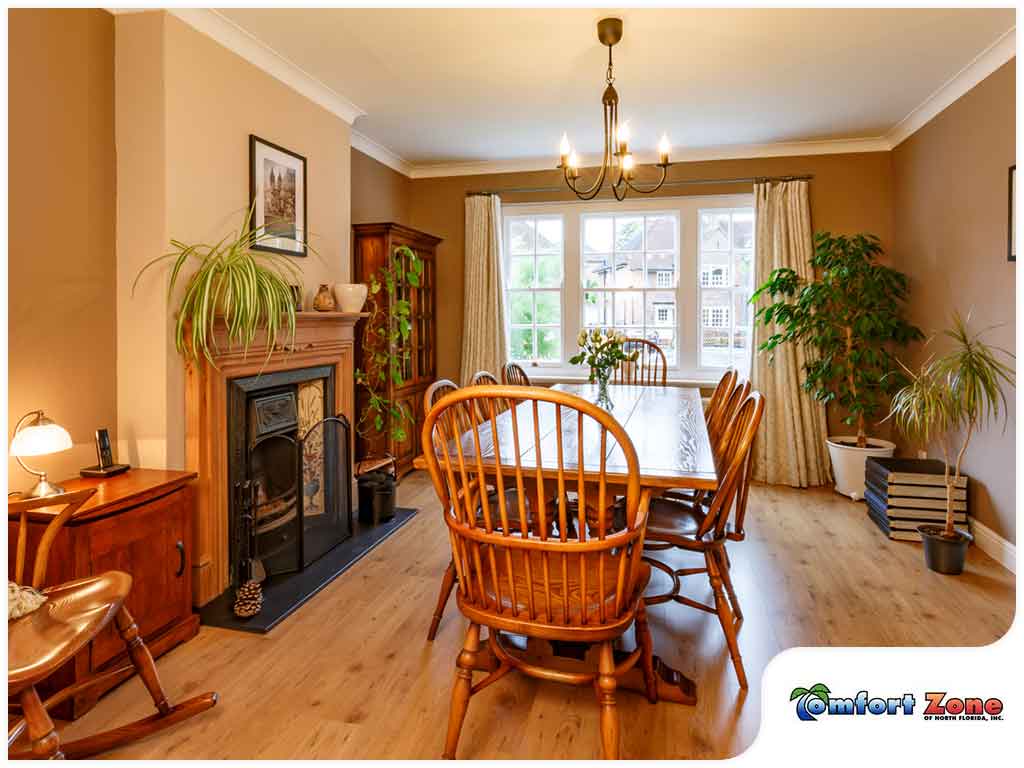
385, 343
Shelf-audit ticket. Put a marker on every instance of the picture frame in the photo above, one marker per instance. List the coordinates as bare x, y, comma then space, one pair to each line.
1011, 216
277, 196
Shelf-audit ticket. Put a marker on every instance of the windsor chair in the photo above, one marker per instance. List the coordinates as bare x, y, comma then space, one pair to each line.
649, 369
581, 585
692, 528
514, 375
74, 613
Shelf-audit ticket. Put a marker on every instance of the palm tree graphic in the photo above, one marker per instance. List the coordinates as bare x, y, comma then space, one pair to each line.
803, 695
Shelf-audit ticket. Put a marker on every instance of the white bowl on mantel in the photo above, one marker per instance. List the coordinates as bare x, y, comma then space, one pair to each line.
350, 296
849, 461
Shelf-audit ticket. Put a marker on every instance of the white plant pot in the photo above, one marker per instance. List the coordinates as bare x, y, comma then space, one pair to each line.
848, 462
350, 296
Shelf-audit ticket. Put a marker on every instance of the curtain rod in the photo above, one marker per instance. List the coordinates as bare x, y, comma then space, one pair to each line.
684, 183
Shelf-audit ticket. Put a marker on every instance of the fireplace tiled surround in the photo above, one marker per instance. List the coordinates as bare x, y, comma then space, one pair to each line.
324, 342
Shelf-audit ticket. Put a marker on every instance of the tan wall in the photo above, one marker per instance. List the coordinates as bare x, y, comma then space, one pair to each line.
951, 214
849, 193
212, 100
378, 192
61, 218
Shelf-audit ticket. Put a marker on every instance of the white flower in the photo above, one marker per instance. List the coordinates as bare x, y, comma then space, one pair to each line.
581, 339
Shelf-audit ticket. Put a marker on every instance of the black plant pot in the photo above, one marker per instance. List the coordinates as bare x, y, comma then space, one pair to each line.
944, 555
376, 497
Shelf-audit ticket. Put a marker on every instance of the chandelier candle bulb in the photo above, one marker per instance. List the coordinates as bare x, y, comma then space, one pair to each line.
628, 165
663, 149
574, 165
623, 138
563, 150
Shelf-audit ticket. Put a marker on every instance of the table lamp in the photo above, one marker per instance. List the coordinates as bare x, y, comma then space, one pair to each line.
36, 435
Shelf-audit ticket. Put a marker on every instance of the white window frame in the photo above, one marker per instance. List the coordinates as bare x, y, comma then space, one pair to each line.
687, 316
507, 219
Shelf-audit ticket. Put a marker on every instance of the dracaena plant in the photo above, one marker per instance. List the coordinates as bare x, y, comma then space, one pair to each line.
247, 290
952, 396
385, 344
847, 319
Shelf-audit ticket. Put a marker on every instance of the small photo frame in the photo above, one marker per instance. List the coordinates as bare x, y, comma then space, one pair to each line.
277, 186
1011, 217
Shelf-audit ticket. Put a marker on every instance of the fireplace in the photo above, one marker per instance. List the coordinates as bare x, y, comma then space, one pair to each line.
289, 468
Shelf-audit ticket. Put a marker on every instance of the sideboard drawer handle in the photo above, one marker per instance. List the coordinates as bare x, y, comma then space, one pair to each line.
181, 557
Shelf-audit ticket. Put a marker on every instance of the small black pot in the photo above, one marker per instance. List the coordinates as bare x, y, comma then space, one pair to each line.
944, 555
376, 497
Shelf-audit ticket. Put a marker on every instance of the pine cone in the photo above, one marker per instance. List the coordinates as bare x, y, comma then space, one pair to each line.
248, 599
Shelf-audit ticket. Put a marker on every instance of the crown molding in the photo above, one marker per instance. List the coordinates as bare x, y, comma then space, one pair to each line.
259, 54
380, 153
690, 155
983, 65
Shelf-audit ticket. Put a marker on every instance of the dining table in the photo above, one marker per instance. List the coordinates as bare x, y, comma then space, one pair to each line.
667, 428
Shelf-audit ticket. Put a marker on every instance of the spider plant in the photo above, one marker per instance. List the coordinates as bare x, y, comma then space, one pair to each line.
956, 393
245, 289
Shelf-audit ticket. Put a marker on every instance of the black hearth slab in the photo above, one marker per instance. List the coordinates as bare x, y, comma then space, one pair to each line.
283, 594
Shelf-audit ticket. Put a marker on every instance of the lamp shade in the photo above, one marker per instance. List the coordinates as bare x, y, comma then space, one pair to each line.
40, 437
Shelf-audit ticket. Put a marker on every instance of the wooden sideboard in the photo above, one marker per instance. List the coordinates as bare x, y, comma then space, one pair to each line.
139, 522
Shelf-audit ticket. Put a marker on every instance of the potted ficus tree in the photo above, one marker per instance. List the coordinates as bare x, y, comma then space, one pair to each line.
950, 398
847, 319
385, 335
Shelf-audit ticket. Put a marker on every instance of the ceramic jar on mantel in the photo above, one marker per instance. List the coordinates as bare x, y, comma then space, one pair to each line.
324, 299
351, 296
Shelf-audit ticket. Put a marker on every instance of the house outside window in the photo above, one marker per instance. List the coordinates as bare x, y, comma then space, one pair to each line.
675, 271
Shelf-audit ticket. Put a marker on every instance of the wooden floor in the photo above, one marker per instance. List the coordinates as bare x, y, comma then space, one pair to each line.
350, 675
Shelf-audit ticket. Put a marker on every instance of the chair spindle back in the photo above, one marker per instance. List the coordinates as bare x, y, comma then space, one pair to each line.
19, 510
721, 393
583, 575
718, 424
649, 369
483, 378
514, 375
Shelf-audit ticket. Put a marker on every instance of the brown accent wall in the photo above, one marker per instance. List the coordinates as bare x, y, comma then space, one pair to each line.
378, 192
849, 193
951, 234
61, 218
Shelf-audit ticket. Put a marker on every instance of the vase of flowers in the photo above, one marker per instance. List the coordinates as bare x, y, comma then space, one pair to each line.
602, 351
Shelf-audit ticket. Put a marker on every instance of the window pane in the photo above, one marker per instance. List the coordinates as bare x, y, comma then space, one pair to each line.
520, 236
597, 234
661, 270
661, 309
597, 272
743, 230
629, 233
629, 270
744, 277
549, 271
549, 345
714, 309
661, 233
549, 308
520, 308
714, 231
521, 344
629, 309
549, 236
520, 273
597, 309
666, 339
742, 311
715, 270
714, 348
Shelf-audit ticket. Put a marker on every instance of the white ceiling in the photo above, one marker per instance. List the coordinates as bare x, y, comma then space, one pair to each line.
470, 85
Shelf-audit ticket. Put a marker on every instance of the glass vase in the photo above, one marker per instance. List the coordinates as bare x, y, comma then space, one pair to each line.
604, 399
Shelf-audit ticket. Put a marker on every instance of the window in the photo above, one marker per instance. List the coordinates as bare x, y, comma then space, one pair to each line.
533, 293
726, 251
628, 270
674, 270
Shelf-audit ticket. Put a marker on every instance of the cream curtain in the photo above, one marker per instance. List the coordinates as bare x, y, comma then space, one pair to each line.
790, 446
483, 319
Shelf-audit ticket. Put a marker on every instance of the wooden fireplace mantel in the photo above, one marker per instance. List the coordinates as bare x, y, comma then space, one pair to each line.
321, 338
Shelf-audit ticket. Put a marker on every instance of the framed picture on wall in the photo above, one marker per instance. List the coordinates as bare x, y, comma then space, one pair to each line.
277, 186
1011, 217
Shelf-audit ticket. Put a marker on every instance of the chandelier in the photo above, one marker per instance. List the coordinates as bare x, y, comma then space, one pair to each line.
617, 163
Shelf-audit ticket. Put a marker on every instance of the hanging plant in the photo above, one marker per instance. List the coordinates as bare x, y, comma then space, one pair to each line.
247, 290
385, 344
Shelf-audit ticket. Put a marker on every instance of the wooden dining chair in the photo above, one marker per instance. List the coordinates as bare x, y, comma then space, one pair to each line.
513, 374
721, 393
483, 379
585, 586
694, 528
73, 615
649, 369
433, 394
724, 413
